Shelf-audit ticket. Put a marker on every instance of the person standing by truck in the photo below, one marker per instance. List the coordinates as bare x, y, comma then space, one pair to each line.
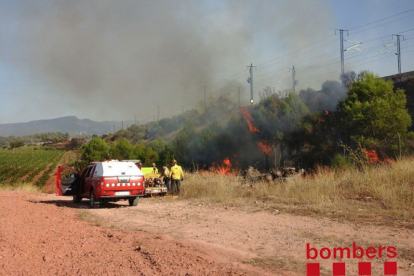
165, 174
176, 176
154, 168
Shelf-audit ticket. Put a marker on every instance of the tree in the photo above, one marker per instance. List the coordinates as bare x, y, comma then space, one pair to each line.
121, 149
292, 112
16, 144
96, 150
181, 143
151, 156
373, 114
320, 138
146, 153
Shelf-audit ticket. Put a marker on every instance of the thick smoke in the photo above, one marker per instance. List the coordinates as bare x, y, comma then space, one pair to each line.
325, 99
113, 60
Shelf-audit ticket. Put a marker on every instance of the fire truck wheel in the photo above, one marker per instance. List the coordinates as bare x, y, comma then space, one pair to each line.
93, 203
133, 201
76, 199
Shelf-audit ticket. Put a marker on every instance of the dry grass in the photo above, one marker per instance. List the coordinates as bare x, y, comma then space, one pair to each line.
376, 193
69, 158
24, 187
93, 219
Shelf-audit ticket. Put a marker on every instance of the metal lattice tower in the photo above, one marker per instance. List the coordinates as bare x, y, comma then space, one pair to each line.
294, 81
239, 96
399, 52
342, 49
341, 38
205, 98
250, 80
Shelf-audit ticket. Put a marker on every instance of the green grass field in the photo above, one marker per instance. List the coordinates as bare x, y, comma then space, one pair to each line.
27, 165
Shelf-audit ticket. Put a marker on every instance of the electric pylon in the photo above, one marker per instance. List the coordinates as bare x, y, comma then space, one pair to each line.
294, 81
354, 47
398, 53
250, 80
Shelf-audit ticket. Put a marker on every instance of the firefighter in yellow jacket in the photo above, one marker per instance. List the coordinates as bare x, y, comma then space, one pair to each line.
176, 176
154, 168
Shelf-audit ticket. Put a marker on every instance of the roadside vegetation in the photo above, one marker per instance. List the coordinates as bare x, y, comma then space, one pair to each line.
19, 186
379, 194
27, 166
310, 128
17, 142
352, 140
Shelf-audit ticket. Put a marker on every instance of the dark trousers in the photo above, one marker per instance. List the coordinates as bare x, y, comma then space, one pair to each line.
175, 186
167, 183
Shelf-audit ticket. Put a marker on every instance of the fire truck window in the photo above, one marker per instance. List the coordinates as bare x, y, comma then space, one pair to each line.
89, 172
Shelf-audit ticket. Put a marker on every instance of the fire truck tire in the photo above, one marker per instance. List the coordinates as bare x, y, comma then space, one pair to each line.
76, 199
93, 203
133, 201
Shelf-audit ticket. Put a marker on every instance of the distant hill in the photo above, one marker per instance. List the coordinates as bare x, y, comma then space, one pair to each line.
69, 124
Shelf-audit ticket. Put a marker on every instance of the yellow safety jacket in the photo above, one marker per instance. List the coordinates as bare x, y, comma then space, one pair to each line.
176, 172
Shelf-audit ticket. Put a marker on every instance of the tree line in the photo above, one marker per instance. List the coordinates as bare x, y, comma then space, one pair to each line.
338, 124
19, 141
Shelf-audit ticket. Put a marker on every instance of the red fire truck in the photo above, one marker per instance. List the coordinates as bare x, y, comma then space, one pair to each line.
102, 182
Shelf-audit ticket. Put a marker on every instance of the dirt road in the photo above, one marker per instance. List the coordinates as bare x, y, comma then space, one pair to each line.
42, 234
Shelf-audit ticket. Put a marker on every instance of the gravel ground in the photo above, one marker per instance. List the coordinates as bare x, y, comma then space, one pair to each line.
42, 234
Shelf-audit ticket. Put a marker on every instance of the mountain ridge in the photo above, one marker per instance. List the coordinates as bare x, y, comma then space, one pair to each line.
66, 124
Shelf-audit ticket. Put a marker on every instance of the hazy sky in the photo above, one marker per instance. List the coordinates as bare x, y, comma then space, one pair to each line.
114, 60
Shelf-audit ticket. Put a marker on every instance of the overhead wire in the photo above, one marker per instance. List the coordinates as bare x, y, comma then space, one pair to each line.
382, 19
356, 56
325, 59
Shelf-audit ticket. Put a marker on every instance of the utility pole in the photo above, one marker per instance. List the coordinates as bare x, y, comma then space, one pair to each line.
354, 47
341, 43
398, 52
294, 81
250, 80
205, 98
239, 97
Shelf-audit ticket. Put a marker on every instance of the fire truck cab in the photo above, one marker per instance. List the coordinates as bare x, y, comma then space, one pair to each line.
102, 182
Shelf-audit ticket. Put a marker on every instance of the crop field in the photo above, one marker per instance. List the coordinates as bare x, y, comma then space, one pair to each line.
27, 165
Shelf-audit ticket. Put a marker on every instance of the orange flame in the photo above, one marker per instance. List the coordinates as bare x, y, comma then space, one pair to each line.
372, 155
249, 119
225, 168
227, 162
266, 149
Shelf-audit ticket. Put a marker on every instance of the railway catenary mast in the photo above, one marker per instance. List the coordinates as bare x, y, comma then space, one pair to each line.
250, 80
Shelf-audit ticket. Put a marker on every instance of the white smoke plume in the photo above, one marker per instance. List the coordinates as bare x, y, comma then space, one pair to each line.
114, 60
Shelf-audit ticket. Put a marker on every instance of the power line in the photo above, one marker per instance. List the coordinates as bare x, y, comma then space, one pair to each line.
291, 53
379, 20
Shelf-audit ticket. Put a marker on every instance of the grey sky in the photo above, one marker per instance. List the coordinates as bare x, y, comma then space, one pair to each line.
114, 60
